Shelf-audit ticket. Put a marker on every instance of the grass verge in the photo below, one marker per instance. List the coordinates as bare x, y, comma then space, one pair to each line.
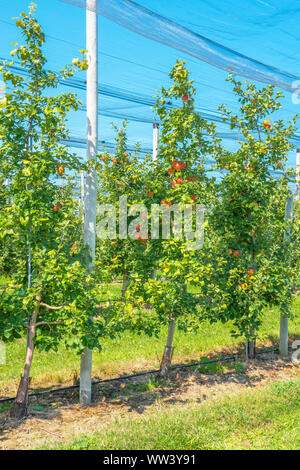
133, 352
266, 418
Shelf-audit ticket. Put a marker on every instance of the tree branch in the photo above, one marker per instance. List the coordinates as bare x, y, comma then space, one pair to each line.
49, 323
50, 307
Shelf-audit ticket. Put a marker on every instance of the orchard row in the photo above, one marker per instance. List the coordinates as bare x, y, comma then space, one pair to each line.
245, 264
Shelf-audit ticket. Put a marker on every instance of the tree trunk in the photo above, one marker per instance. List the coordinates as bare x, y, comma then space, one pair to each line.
251, 347
167, 357
19, 407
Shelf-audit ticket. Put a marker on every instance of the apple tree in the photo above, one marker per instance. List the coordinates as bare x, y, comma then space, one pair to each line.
249, 261
49, 295
123, 175
178, 180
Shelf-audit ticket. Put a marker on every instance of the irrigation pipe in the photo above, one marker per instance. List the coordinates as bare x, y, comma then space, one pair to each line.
138, 374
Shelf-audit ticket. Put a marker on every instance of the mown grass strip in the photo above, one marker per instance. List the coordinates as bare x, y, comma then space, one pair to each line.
265, 418
132, 352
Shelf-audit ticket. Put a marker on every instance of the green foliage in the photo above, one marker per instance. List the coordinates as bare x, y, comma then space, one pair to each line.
211, 367
249, 260
177, 178
40, 222
122, 175
239, 367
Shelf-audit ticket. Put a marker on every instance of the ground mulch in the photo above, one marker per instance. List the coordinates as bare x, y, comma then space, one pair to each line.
59, 416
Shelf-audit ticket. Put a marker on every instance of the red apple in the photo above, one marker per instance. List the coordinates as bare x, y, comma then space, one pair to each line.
185, 98
60, 170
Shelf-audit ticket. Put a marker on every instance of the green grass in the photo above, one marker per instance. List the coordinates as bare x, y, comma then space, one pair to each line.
266, 418
132, 352
115, 292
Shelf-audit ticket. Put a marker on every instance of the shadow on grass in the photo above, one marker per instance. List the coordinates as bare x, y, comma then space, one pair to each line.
139, 393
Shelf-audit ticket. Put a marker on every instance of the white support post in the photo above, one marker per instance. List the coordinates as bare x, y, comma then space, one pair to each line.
284, 321
154, 158
90, 193
298, 175
155, 140
82, 194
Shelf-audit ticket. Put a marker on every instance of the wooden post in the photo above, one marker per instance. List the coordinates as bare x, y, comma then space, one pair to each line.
90, 192
284, 321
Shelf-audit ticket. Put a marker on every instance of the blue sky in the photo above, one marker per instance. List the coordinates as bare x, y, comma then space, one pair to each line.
262, 29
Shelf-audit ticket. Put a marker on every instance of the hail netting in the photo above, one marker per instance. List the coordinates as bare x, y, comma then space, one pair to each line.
154, 26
